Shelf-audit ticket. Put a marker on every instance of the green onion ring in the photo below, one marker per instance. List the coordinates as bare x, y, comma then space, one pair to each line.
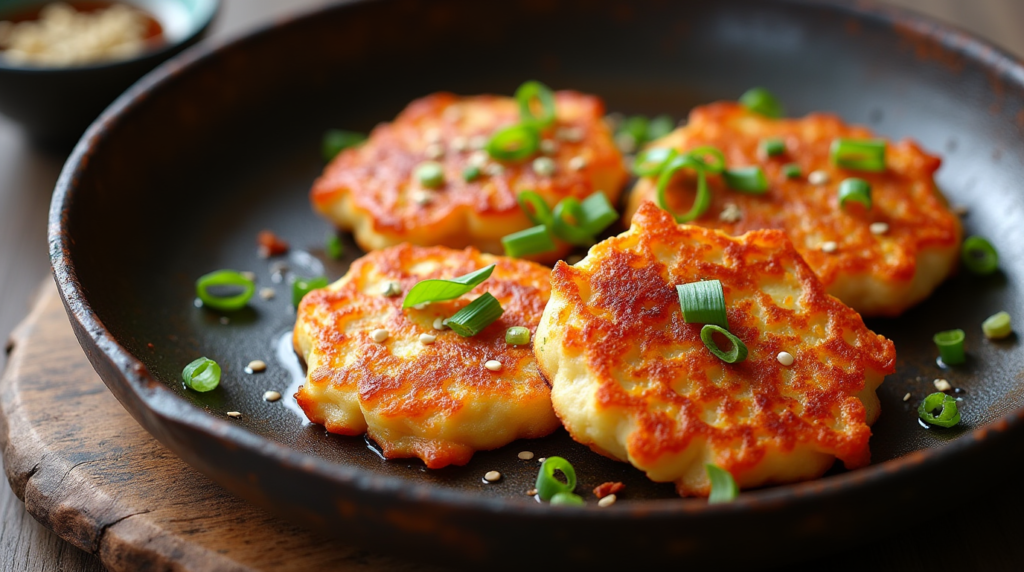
526, 94
596, 214
997, 326
535, 207
651, 161
703, 302
951, 346
856, 190
569, 499
736, 354
701, 154
201, 375
480, 313
858, 154
573, 233
534, 240
947, 417
517, 336
222, 278
514, 143
750, 180
303, 286
701, 201
723, 486
979, 256
761, 101
547, 485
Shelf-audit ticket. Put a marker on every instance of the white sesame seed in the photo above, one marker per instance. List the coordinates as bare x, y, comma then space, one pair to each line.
494, 170
250, 276
548, 147
379, 335
271, 396
544, 166
570, 134
532, 492
478, 141
625, 142
435, 151
526, 455
478, 158
607, 501
542, 459
829, 246
422, 197
234, 414
438, 324
578, 163
818, 178
942, 385
459, 144
444, 322
267, 293
493, 365
224, 320
785, 358
427, 338
256, 366
422, 306
906, 397
878, 228
432, 135
391, 288
730, 213
492, 476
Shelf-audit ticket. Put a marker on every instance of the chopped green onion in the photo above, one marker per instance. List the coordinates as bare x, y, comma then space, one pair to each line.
650, 162
337, 140
571, 231
997, 326
949, 414
738, 352
791, 170
859, 154
517, 336
772, 147
979, 256
534, 240
570, 499
479, 314
430, 174
596, 214
746, 180
659, 127
710, 158
701, 201
303, 286
703, 302
439, 290
856, 190
514, 143
723, 486
201, 375
333, 246
535, 207
761, 101
951, 346
224, 279
526, 94
547, 485
471, 173
636, 127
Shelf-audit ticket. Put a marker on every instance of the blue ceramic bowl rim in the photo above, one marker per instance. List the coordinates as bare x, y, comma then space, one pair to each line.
207, 11
163, 403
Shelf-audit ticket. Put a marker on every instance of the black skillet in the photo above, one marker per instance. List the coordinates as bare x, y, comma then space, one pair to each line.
180, 174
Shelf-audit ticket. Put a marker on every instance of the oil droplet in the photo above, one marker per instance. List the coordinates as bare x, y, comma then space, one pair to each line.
296, 375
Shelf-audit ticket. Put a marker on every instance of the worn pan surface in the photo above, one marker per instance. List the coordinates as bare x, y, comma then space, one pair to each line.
179, 175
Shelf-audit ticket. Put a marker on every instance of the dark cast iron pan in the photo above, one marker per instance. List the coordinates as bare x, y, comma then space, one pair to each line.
179, 175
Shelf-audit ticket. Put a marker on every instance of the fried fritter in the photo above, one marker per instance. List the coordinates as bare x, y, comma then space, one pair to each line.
372, 189
426, 398
634, 382
884, 260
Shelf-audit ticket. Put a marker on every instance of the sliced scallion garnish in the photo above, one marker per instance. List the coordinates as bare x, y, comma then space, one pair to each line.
858, 154
337, 140
570, 499
659, 127
736, 354
997, 326
535, 207
534, 240
750, 180
701, 201
333, 246
567, 223
945, 405
951, 346
514, 143
517, 336
791, 170
703, 302
430, 174
856, 190
651, 161
225, 279
201, 375
723, 486
476, 316
547, 485
761, 101
710, 158
772, 146
303, 286
536, 91
439, 290
979, 256
596, 214
471, 173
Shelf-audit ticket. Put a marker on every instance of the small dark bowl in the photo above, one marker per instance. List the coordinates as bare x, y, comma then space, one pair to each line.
55, 104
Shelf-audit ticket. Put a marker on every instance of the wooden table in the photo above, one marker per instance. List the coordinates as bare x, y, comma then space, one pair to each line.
976, 539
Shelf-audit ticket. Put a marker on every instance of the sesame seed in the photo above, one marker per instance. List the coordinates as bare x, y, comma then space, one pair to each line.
494, 170
607, 501
906, 397
542, 459
730, 213
544, 166
493, 365
427, 338
818, 178
548, 147
570, 134
785, 358
422, 197
578, 163
267, 293
379, 335
256, 366
478, 141
422, 306
271, 396
460, 144
234, 414
942, 385
224, 320
492, 476
829, 246
250, 276
438, 324
432, 135
625, 142
879, 228
478, 158
532, 492
435, 151
526, 455
391, 288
